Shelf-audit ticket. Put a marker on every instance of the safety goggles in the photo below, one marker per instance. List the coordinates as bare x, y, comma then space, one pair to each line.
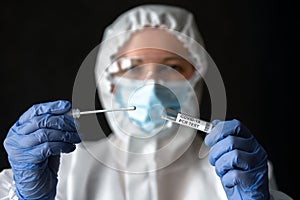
171, 68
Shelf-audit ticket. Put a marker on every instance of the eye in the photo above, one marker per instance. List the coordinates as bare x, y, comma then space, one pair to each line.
131, 67
176, 67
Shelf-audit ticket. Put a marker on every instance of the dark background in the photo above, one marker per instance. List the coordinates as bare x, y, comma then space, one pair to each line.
253, 43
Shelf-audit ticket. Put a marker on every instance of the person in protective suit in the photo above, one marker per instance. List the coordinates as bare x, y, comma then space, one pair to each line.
151, 57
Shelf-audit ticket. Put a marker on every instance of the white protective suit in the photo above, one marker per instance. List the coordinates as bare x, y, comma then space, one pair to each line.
96, 170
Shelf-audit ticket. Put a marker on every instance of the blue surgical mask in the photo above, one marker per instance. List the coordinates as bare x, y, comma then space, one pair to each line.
150, 99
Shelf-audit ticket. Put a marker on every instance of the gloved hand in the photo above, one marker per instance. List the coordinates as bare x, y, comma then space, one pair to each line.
34, 144
239, 160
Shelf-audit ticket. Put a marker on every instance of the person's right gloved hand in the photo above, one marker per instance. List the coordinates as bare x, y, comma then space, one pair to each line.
34, 144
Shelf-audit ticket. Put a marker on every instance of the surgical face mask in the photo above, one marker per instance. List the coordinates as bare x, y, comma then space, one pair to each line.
151, 98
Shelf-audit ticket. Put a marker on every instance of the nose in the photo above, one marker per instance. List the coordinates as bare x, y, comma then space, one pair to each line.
150, 71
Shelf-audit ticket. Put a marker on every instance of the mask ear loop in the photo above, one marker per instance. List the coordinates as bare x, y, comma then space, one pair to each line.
110, 79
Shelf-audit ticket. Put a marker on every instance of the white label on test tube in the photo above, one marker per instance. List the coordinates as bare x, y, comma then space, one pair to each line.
194, 123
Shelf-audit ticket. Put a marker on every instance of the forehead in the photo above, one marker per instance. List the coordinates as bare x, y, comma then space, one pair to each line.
154, 41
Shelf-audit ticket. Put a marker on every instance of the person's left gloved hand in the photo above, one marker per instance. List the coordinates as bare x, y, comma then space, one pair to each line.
240, 161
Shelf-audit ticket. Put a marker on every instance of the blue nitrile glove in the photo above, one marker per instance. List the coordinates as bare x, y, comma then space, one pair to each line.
239, 160
34, 144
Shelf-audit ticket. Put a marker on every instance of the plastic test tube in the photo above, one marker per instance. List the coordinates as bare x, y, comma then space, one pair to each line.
186, 120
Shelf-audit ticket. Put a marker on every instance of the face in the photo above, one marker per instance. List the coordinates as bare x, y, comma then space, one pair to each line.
170, 74
158, 56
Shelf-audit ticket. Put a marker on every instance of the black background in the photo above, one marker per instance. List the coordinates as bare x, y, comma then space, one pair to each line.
253, 43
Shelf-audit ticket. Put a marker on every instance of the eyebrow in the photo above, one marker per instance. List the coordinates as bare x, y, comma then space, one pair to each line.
165, 57
174, 58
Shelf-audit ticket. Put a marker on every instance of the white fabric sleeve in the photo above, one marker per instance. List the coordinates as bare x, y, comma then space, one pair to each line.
7, 187
275, 194
271, 176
